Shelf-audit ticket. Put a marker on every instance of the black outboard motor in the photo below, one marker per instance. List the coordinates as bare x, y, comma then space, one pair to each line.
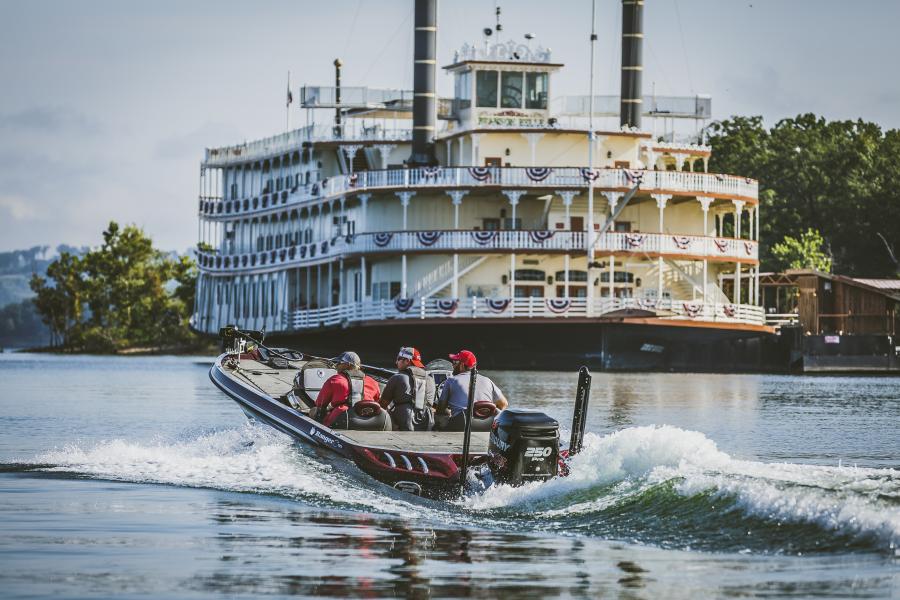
524, 446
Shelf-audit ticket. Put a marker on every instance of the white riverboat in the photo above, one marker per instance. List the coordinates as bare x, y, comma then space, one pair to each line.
518, 220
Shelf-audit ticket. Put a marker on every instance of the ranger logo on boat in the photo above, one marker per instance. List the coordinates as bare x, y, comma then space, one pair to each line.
321, 436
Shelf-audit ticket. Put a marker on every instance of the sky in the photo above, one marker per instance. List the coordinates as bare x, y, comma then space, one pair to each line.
106, 106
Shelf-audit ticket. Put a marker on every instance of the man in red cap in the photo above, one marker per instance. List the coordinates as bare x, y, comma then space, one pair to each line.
455, 394
409, 395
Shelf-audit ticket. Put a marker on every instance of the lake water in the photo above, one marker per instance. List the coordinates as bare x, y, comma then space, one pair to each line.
134, 477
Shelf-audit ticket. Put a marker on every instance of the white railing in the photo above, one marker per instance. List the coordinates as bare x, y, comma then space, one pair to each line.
535, 241
779, 319
684, 245
520, 308
293, 140
675, 182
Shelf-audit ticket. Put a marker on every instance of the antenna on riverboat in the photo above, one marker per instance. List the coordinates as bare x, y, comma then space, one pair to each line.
591, 141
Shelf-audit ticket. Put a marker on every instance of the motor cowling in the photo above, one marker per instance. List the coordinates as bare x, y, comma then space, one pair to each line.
523, 447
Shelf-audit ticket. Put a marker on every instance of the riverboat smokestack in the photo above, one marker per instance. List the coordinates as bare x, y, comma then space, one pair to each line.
632, 66
424, 97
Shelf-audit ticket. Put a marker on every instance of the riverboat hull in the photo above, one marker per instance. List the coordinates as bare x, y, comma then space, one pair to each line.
637, 344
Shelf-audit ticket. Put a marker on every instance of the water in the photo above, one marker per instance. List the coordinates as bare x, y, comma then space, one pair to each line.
124, 477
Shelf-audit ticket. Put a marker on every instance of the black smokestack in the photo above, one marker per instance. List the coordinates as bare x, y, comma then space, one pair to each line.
424, 97
632, 65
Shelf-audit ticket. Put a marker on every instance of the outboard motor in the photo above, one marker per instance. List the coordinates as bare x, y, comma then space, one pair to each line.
524, 446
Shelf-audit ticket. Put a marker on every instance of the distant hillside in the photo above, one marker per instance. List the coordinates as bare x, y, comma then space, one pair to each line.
17, 266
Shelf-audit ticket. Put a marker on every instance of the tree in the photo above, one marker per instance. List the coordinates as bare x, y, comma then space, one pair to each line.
840, 178
807, 252
122, 294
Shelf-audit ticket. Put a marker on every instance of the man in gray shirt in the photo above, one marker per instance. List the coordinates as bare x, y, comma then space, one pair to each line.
409, 395
455, 395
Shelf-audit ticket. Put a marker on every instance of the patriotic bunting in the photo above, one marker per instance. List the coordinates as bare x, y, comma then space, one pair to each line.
681, 241
497, 306
633, 177
538, 173
729, 310
383, 239
480, 173
403, 304
722, 245
590, 174
431, 172
748, 248
484, 237
539, 237
647, 303
634, 240
558, 305
428, 238
446, 306
352, 179
692, 310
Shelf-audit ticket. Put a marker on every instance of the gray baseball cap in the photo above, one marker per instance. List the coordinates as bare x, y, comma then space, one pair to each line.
350, 358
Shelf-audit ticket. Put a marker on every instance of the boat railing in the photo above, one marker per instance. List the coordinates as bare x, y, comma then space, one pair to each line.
521, 308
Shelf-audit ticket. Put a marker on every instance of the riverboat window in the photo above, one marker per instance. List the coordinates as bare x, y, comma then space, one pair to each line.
385, 290
511, 89
620, 277
575, 291
573, 275
486, 88
512, 224
536, 90
463, 90
622, 226
530, 275
491, 224
529, 291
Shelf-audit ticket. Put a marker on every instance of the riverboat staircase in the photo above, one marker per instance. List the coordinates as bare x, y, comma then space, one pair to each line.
442, 276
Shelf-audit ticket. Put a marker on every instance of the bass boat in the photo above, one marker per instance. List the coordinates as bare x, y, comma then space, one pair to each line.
279, 386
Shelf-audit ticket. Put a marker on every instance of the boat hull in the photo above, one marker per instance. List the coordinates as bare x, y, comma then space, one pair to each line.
558, 344
430, 474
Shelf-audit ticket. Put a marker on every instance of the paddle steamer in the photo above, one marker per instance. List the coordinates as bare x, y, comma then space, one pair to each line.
505, 219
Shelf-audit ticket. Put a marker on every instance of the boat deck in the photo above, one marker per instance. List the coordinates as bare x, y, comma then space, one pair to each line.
278, 382
447, 442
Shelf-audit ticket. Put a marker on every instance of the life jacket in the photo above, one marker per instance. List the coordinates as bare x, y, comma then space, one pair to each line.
357, 381
416, 396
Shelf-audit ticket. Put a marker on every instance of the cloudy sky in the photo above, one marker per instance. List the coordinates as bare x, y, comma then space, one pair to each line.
106, 105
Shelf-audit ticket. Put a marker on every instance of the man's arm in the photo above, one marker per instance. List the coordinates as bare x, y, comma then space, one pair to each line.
499, 398
390, 392
445, 396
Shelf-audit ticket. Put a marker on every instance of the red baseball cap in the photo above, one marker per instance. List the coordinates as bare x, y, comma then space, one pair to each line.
412, 355
465, 357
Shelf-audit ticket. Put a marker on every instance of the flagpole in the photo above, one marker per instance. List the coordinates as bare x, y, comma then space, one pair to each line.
589, 237
287, 109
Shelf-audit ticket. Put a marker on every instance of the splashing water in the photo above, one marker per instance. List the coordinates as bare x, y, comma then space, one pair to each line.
659, 485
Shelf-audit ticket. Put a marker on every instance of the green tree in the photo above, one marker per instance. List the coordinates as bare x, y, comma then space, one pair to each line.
124, 293
807, 252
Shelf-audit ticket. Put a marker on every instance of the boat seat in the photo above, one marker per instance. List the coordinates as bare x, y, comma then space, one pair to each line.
369, 416
483, 414
309, 381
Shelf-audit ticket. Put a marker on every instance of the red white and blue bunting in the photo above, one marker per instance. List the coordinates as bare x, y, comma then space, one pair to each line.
352, 179
634, 240
692, 310
729, 310
383, 239
722, 245
497, 306
558, 305
634, 177
431, 172
538, 173
590, 174
403, 304
539, 237
428, 238
484, 237
647, 303
682, 242
446, 306
748, 248
480, 173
